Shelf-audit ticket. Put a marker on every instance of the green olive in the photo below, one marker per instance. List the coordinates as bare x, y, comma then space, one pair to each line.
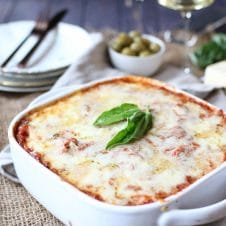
134, 34
154, 47
145, 53
133, 44
128, 51
117, 46
137, 39
122, 34
146, 42
123, 39
137, 46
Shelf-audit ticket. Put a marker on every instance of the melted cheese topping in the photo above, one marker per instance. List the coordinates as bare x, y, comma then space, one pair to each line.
185, 143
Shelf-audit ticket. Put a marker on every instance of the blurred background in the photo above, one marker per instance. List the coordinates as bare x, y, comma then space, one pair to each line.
121, 15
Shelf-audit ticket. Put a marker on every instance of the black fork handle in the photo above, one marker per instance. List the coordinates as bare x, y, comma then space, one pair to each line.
24, 61
52, 23
16, 50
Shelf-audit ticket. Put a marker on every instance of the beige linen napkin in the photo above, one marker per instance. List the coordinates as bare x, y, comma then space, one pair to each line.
95, 65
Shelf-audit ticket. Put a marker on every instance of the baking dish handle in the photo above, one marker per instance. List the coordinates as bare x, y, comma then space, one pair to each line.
188, 217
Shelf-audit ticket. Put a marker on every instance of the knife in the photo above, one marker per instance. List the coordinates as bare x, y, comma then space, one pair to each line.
52, 23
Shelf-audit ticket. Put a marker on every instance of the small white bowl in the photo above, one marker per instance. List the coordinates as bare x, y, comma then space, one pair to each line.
145, 66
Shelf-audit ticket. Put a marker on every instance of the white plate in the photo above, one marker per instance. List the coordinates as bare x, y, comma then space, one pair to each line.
61, 47
23, 89
31, 76
23, 84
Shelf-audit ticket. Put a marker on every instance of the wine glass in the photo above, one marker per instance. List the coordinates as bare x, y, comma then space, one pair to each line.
186, 7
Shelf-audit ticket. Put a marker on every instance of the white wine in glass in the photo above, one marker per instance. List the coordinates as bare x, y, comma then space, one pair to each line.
185, 7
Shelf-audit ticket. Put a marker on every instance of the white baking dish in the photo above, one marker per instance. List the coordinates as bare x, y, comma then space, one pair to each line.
202, 202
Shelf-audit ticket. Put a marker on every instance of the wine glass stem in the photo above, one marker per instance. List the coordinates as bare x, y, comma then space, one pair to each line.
186, 15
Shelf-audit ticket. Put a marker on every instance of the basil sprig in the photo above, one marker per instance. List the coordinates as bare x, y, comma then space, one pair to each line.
116, 114
138, 123
210, 52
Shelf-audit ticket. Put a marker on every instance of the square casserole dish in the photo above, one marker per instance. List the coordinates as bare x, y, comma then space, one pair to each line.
161, 179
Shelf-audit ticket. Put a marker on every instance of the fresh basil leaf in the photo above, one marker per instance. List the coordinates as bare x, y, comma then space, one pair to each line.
116, 114
142, 126
211, 52
220, 40
135, 132
138, 125
147, 124
208, 54
121, 137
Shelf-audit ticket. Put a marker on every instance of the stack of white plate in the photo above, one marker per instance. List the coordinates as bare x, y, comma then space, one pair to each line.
58, 51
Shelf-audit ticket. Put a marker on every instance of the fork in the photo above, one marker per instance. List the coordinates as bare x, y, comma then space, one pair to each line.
38, 29
51, 23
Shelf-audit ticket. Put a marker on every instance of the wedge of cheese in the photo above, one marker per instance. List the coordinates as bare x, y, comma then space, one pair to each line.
187, 141
215, 75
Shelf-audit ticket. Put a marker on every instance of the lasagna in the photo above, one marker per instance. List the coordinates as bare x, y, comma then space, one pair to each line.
186, 142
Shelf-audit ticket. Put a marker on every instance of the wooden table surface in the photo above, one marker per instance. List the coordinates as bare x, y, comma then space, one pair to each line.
121, 15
